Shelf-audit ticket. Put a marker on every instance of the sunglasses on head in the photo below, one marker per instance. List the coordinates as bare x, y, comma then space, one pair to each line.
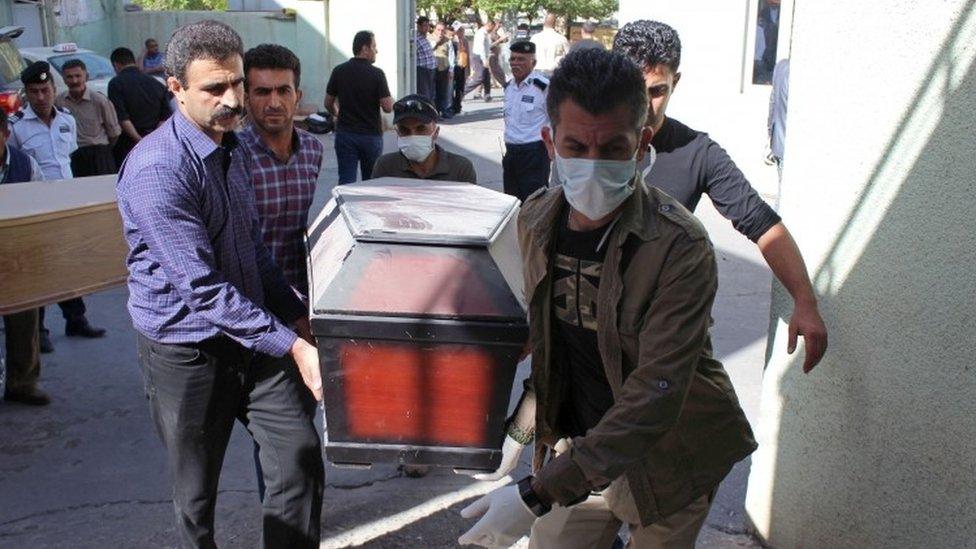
412, 105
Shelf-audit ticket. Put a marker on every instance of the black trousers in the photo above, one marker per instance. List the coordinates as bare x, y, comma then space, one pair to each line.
195, 393
458, 94
71, 309
426, 84
442, 86
93, 160
525, 168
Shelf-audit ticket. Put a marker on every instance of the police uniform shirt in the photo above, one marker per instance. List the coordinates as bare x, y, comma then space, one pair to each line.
525, 109
50, 145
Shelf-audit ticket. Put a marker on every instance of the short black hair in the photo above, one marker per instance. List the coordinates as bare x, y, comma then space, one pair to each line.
74, 64
148, 40
649, 43
362, 40
598, 81
423, 19
272, 56
123, 56
207, 39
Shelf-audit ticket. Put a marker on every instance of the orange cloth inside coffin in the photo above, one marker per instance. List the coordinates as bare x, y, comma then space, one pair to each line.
438, 395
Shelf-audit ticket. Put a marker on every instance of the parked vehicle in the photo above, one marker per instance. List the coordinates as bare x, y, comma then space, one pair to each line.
11, 63
100, 69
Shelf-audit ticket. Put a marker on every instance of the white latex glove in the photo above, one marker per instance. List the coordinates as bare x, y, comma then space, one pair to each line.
511, 451
506, 519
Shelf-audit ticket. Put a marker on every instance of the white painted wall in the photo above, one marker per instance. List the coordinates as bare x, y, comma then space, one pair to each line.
877, 448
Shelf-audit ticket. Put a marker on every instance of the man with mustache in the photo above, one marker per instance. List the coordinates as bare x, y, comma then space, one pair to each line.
221, 335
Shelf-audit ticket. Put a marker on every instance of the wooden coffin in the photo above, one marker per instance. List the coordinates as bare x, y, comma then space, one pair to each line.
58, 240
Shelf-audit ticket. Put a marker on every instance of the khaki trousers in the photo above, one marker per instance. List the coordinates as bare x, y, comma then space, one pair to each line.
591, 524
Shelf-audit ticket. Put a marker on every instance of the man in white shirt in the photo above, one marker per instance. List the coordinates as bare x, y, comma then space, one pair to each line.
525, 166
550, 46
480, 52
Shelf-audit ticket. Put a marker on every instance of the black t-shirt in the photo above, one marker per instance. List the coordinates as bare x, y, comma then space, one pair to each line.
359, 86
139, 98
690, 164
578, 266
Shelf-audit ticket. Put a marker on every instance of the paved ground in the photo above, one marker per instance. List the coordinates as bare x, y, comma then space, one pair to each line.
88, 471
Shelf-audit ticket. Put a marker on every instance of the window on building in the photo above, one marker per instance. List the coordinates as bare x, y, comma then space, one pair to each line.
767, 35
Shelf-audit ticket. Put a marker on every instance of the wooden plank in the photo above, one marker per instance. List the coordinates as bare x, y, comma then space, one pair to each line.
59, 240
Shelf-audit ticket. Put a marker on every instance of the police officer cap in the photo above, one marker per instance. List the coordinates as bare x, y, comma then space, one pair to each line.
37, 72
523, 46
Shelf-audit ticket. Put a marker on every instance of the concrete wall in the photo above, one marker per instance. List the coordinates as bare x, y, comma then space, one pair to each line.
6, 15
392, 21
877, 448
304, 35
91, 24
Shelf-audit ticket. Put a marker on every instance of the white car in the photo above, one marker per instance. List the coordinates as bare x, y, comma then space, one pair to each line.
100, 69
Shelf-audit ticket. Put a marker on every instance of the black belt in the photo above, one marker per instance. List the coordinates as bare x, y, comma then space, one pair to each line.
524, 146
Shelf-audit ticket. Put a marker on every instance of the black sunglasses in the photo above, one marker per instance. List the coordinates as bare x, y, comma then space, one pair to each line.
412, 105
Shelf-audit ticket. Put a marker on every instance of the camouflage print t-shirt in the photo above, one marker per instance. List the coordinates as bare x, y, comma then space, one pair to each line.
577, 266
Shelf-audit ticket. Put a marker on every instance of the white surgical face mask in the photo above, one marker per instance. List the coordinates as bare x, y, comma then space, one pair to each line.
595, 188
416, 147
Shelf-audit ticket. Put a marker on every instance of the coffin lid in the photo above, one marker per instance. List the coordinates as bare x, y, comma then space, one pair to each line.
412, 211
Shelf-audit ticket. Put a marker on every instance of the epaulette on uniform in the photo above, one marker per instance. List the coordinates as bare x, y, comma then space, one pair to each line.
62, 109
540, 83
16, 117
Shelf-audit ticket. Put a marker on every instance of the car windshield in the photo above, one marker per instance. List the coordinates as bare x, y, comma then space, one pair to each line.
11, 63
98, 66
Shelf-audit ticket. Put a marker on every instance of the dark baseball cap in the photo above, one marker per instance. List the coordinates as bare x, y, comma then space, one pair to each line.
414, 106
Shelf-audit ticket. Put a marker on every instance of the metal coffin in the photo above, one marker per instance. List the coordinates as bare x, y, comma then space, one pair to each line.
416, 297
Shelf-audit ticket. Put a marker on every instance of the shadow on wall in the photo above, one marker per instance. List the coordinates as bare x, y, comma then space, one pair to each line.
889, 444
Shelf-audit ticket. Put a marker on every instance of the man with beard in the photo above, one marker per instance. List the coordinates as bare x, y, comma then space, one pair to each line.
284, 161
215, 317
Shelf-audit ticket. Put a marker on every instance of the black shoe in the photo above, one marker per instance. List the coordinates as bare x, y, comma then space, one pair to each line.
79, 327
30, 397
45, 342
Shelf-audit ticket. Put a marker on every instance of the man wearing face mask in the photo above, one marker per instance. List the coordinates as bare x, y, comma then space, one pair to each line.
419, 156
525, 166
640, 423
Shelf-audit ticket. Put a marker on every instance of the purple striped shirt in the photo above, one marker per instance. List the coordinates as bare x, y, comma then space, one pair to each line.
283, 193
197, 265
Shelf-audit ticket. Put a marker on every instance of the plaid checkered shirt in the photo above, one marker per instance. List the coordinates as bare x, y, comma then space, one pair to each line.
283, 193
425, 53
198, 267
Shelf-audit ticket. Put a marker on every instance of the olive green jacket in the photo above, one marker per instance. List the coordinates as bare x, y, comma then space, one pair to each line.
675, 428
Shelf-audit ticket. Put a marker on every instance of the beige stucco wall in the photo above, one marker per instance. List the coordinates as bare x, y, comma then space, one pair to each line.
877, 448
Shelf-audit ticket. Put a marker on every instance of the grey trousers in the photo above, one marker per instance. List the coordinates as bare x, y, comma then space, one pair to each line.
196, 392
